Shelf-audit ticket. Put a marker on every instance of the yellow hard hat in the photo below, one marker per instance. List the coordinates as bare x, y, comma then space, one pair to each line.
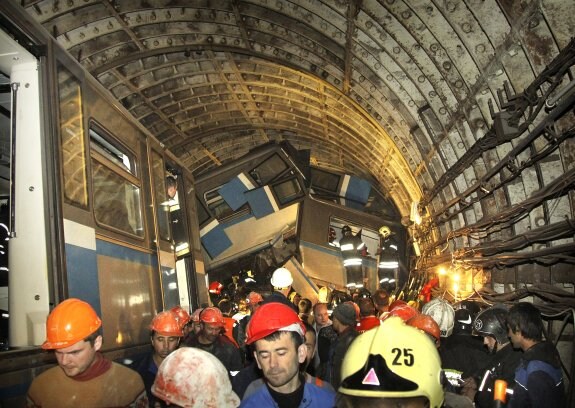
393, 361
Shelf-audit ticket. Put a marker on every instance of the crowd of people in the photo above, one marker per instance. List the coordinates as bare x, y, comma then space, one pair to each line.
284, 351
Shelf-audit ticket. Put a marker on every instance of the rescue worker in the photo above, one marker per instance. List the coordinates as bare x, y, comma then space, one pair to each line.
381, 301
538, 378
195, 322
344, 322
277, 334
83, 376
281, 281
462, 353
194, 378
210, 338
165, 335
352, 249
226, 308
390, 366
310, 337
304, 308
368, 319
320, 320
491, 325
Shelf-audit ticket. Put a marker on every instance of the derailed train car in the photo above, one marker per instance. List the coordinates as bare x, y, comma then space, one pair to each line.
272, 208
85, 208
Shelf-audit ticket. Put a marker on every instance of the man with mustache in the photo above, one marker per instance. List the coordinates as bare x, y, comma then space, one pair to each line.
165, 335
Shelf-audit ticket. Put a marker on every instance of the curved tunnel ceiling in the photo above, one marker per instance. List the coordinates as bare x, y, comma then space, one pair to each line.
395, 91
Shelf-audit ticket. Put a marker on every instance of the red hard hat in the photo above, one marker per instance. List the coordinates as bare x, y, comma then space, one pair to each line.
212, 315
427, 324
196, 315
167, 324
270, 318
405, 312
183, 316
215, 287
71, 321
396, 303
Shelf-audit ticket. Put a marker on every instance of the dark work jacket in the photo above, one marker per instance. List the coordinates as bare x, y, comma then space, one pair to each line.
337, 352
462, 355
279, 297
146, 367
502, 366
222, 348
325, 338
538, 379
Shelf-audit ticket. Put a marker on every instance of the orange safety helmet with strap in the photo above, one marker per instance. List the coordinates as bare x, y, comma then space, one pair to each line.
183, 316
70, 322
270, 318
167, 324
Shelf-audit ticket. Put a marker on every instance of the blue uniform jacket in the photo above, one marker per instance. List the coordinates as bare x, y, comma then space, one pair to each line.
313, 397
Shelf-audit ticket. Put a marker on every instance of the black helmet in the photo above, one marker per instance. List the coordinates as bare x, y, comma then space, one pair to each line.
337, 297
345, 229
470, 305
491, 322
463, 321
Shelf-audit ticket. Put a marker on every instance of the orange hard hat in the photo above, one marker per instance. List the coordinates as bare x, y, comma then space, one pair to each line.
167, 324
254, 298
196, 315
272, 317
183, 316
396, 303
71, 321
215, 287
212, 315
427, 324
404, 311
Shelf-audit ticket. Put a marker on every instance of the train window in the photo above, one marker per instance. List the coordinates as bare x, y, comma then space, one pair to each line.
268, 170
217, 205
203, 214
288, 190
218, 208
322, 180
72, 138
161, 196
116, 190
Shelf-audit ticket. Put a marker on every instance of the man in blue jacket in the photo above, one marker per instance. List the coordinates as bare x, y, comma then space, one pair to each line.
277, 334
538, 378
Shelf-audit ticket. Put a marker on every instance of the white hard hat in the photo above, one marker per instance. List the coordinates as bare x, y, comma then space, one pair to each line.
190, 377
443, 313
281, 278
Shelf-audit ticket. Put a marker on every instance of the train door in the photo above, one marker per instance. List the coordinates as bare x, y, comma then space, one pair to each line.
172, 236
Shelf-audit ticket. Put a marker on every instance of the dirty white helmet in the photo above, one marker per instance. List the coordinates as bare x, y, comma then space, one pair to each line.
193, 378
443, 313
281, 278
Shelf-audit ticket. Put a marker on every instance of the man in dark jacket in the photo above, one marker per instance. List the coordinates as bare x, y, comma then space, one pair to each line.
165, 335
538, 378
344, 322
491, 325
210, 338
462, 354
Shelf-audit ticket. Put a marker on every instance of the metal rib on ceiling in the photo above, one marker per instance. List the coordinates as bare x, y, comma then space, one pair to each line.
395, 91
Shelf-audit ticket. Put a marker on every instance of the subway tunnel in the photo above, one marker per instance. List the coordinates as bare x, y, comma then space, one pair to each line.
459, 112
